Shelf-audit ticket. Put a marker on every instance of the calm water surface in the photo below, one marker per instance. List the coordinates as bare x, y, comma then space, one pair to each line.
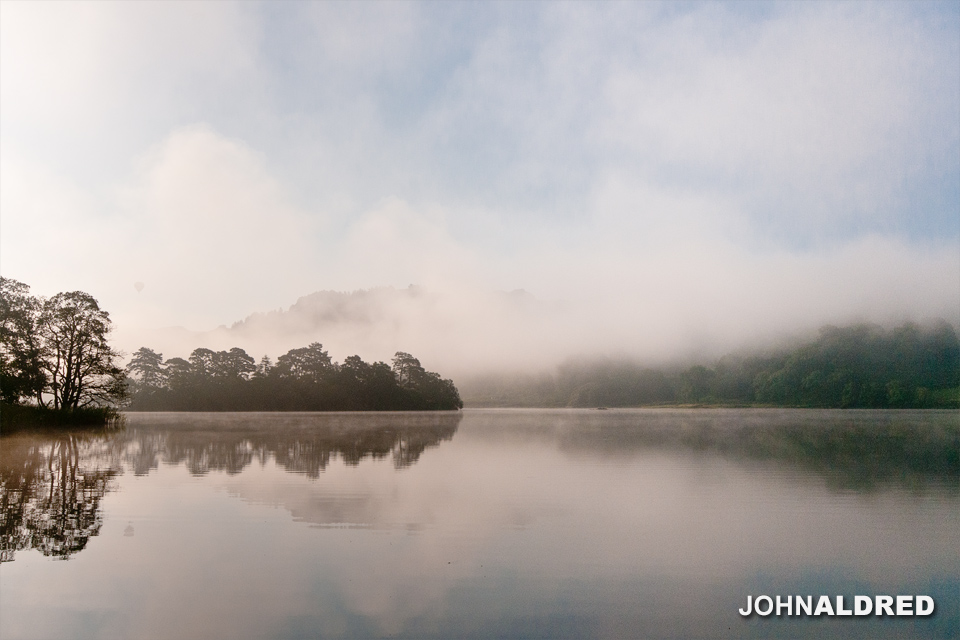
484, 523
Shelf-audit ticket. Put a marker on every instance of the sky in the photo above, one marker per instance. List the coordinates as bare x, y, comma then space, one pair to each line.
677, 176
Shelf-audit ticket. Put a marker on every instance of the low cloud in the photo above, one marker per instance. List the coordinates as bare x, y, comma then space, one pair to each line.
663, 181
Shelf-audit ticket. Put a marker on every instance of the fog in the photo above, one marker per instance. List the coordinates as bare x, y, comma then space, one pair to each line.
658, 182
467, 332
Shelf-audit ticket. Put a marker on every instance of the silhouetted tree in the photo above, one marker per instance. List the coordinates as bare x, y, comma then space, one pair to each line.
76, 358
406, 368
202, 362
309, 363
304, 379
21, 367
263, 367
146, 379
146, 370
180, 373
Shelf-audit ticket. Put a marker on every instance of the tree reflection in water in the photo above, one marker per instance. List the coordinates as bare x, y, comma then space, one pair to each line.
51, 484
296, 442
858, 450
50, 491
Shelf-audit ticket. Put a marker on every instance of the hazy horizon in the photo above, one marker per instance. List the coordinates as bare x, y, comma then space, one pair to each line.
515, 333
663, 180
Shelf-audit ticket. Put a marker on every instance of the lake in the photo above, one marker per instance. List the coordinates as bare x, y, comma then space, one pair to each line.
634, 523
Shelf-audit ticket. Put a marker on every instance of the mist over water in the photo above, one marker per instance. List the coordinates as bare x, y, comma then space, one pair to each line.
513, 523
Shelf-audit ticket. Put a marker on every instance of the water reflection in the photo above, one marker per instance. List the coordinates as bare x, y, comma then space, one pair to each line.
52, 483
299, 443
851, 450
619, 523
50, 491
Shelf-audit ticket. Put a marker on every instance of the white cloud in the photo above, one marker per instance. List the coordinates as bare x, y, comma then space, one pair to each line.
820, 113
656, 167
211, 230
396, 244
202, 223
86, 85
82, 63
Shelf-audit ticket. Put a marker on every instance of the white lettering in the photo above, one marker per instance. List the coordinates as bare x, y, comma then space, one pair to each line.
756, 606
924, 605
883, 605
824, 606
788, 605
904, 605
840, 610
862, 606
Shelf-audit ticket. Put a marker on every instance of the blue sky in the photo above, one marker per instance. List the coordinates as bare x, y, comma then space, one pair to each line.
727, 168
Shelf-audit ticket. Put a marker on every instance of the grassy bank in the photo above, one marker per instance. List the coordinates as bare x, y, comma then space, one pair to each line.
17, 417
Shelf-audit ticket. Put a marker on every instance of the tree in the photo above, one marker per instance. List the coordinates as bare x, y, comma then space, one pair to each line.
234, 364
311, 363
424, 389
202, 361
263, 367
180, 373
146, 370
407, 369
436, 393
21, 371
76, 358
696, 382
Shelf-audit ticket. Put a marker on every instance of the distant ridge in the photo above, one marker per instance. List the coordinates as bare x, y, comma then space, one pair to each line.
325, 308
457, 329
375, 307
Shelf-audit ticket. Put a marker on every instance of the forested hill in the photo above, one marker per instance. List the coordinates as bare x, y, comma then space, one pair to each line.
303, 379
845, 367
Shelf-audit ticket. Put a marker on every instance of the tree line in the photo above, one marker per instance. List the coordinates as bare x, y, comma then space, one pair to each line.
860, 366
56, 365
303, 379
54, 353
55, 358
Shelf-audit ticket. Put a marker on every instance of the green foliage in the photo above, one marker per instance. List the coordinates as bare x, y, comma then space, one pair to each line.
865, 366
852, 367
303, 379
578, 383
